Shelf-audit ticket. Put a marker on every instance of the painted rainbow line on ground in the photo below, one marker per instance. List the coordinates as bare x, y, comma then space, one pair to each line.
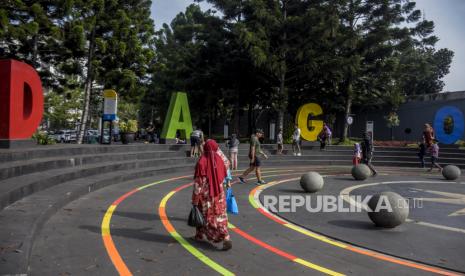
113, 253
194, 251
243, 234
283, 253
110, 247
255, 202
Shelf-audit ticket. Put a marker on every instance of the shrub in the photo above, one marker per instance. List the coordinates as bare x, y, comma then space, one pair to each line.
128, 126
42, 138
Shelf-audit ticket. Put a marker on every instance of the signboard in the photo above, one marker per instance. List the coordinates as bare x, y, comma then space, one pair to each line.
226, 131
369, 129
272, 131
110, 105
350, 120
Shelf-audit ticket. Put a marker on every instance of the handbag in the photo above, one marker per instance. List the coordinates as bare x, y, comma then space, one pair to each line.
231, 204
196, 218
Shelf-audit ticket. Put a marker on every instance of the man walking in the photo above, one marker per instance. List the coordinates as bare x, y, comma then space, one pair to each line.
196, 142
367, 152
296, 141
255, 162
280, 142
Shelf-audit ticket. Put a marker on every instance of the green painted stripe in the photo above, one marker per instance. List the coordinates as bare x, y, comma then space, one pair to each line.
199, 255
252, 201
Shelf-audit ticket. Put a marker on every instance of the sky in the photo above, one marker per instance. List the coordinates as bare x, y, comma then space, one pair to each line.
448, 17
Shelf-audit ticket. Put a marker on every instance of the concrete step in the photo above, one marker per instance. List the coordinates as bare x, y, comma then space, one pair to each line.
7, 155
17, 168
73, 150
22, 221
15, 188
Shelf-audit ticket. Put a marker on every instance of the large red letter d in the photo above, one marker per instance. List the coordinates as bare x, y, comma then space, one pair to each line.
21, 100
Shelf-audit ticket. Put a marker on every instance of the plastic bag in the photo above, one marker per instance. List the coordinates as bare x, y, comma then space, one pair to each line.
196, 218
228, 177
231, 204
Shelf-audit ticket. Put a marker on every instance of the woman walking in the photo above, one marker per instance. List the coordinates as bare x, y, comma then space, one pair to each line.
209, 196
428, 136
233, 146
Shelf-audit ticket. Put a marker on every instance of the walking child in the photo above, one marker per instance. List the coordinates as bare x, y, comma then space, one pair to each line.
435, 156
357, 154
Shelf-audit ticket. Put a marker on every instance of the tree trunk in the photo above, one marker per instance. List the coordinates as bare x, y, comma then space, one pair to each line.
237, 118
210, 124
87, 88
249, 119
35, 51
283, 106
283, 71
347, 112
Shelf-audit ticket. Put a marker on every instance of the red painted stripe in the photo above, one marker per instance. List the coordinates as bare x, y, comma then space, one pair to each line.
265, 245
266, 214
183, 187
123, 197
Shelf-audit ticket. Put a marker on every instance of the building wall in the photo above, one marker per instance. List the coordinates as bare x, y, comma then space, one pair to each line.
413, 115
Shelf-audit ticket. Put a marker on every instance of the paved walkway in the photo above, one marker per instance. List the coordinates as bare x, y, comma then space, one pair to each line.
139, 227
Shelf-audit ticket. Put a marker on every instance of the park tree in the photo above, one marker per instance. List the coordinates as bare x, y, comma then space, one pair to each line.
198, 54
28, 32
62, 108
370, 36
114, 44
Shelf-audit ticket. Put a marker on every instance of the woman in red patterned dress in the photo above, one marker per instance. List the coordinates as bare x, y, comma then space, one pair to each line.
209, 196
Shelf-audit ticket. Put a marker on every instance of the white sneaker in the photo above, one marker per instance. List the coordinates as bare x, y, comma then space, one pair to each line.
299, 154
295, 154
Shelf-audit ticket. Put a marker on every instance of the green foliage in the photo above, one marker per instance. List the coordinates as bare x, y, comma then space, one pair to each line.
62, 109
392, 120
42, 138
129, 126
127, 111
346, 142
250, 57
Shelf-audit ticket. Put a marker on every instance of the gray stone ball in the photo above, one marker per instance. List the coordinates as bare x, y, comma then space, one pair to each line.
451, 172
311, 182
397, 214
361, 172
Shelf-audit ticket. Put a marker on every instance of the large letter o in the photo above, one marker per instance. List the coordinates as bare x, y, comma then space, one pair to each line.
309, 128
458, 124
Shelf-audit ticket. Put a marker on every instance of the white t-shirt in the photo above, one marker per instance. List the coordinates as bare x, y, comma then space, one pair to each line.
296, 135
280, 138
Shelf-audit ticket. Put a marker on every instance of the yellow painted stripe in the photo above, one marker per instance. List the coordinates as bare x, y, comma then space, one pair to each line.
166, 198
317, 267
194, 251
314, 235
106, 220
366, 252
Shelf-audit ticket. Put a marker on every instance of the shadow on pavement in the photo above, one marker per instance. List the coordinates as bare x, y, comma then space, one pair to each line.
139, 234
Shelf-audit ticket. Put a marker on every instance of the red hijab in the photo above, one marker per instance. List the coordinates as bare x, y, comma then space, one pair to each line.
211, 165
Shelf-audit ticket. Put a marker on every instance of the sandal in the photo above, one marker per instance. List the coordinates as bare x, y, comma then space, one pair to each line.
227, 245
195, 238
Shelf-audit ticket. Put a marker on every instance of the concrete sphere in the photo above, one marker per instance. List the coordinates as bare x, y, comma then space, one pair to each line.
311, 182
451, 172
393, 209
361, 172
